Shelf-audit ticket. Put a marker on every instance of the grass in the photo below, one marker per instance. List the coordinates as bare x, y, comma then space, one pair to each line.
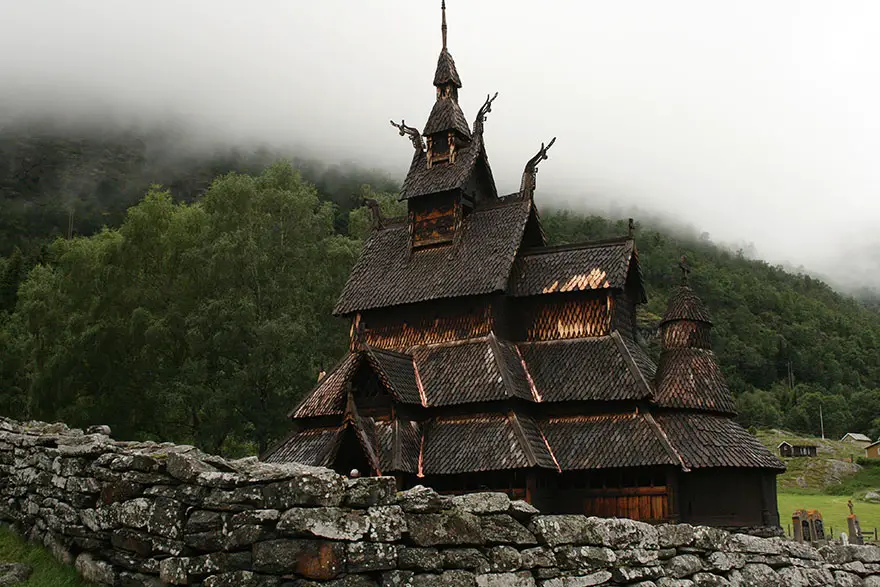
834, 512
47, 571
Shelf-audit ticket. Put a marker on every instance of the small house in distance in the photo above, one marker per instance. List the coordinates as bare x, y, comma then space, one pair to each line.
872, 451
856, 438
787, 449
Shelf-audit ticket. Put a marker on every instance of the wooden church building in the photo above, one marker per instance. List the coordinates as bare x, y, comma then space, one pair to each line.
483, 359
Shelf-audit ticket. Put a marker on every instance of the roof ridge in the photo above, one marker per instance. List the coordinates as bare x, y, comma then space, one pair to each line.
631, 363
664, 439
495, 347
577, 246
531, 457
562, 340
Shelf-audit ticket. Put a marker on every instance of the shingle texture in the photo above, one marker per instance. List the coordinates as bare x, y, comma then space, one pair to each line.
396, 370
691, 378
704, 440
316, 447
397, 445
446, 71
446, 115
328, 397
388, 274
422, 180
685, 304
583, 369
605, 441
571, 268
478, 442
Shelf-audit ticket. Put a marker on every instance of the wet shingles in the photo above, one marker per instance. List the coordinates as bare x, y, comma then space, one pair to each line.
446, 71
398, 372
328, 397
605, 441
459, 373
397, 445
388, 273
691, 378
480, 442
315, 447
685, 304
587, 369
704, 440
446, 115
571, 268
422, 180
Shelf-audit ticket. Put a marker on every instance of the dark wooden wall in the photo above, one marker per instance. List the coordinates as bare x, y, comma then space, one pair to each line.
429, 323
560, 316
433, 219
728, 497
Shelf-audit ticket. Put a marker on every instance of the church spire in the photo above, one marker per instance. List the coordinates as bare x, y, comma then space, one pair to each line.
443, 26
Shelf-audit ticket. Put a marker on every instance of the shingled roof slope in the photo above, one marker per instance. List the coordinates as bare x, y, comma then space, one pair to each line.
422, 180
584, 369
446, 115
446, 71
479, 442
606, 441
572, 268
397, 371
398, 445
685, 304
328, 397
388, 273
315, 447
691, 378
703, 440
477, 370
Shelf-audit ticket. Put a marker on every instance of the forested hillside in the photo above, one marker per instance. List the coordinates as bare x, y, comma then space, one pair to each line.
201, 312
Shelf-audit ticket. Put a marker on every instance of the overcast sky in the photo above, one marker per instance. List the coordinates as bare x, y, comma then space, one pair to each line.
756, 121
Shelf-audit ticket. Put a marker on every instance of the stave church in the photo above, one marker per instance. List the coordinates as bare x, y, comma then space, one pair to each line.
481, 358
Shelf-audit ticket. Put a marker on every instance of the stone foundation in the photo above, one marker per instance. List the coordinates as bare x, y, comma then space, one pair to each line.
146, 514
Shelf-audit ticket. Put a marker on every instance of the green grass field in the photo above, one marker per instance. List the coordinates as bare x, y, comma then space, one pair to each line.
47, 571
834, 511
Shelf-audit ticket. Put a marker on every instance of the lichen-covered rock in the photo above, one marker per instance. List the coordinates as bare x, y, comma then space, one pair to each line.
397, 579
674, 535
503, 528
448, 528
505, 580
419, 559
92, 569
364, 557
313, 559
709, 580
760, 576
445, 579
482, 503
504, 559
632, 574
184, 570
312, 487
724, 561
844, 579
387, 523
241, 579
754, 544
864, 553
596, 578
364, 492
329, 522
538, 557
522, 510
465, 558
683, 565
422, 500
576, 557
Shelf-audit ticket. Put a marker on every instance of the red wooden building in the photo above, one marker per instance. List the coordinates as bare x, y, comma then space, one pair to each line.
481, 358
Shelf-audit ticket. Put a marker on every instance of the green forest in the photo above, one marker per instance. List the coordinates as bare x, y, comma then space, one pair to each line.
185, 295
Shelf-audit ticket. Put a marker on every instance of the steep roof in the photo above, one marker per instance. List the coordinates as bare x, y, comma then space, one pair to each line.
422, 180
607, 441
483, 442
446, 115
691, 378
388, 273
685, 304
446, 71
585, 369
585, 266
704, 440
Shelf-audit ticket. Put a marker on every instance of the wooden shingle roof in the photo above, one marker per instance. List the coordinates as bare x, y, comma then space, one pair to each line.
422, 180
446, 115
685, 304
587, 266
691, 378
479, 262
446, 71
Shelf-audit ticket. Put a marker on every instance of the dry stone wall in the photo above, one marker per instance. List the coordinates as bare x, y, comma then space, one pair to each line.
146, 514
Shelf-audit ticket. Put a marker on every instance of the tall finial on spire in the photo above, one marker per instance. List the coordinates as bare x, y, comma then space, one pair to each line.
685, 269
443, 26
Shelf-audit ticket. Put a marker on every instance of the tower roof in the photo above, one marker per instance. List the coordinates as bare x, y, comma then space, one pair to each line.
685, 304
446, 72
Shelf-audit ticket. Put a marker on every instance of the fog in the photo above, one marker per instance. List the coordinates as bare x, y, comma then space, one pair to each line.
755, 121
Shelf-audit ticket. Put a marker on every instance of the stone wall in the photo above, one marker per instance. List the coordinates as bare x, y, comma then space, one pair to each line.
145, 514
